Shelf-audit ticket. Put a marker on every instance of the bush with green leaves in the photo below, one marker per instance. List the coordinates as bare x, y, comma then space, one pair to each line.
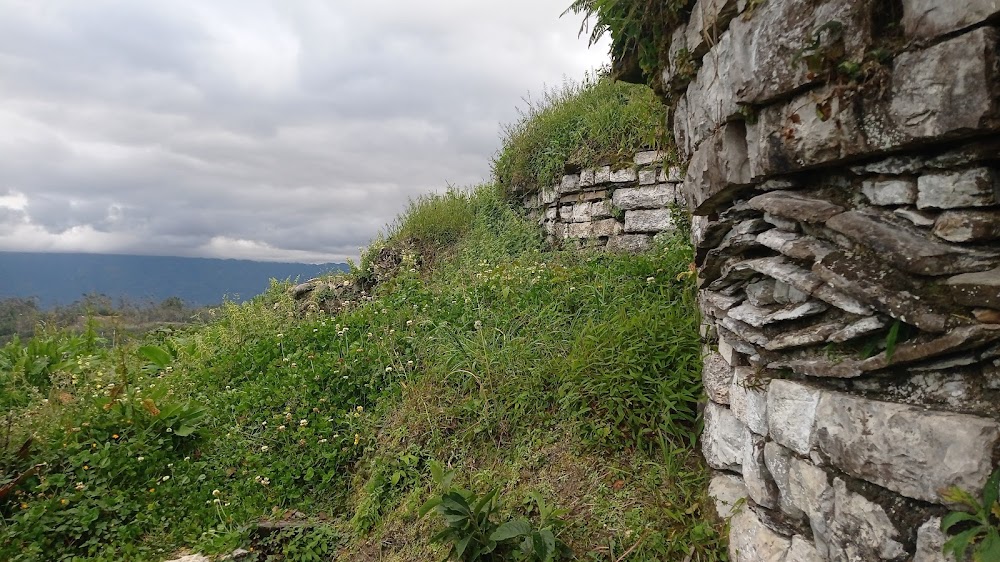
474, 534
976, 531
597, 121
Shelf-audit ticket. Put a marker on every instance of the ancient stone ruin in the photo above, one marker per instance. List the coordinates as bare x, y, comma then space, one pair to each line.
842, 166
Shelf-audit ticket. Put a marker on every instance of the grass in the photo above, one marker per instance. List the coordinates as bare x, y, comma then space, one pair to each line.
581, 124
571, 376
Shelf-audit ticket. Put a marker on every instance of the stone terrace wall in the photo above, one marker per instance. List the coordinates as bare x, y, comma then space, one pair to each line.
848, 250
621, 209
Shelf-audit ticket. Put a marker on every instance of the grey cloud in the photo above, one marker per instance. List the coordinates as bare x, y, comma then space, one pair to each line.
256, 127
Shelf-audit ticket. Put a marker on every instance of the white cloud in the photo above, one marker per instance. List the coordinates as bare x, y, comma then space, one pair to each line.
251, 128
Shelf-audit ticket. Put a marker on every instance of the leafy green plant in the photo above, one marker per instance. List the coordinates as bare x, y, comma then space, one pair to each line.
979, 527
474, 535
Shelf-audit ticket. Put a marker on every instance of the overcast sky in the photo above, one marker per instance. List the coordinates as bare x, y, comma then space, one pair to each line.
290, 130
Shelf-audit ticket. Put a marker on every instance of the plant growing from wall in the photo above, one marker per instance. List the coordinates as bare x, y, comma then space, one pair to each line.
979, 527
640, 32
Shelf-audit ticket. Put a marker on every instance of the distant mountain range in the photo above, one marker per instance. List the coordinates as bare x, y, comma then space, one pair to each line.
59, 279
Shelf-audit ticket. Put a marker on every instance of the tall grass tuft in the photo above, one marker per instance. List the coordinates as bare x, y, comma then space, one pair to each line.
580, 124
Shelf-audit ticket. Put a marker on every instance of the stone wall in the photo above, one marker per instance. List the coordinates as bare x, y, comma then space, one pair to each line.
843, 168
620, 208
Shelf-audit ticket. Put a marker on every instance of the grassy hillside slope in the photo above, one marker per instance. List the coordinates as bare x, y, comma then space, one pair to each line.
543, 403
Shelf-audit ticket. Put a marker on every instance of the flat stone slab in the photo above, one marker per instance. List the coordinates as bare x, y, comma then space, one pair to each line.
653, 220
722, 442
976, 289
727, 490
978, 187
908, 251
968, 226
791, 413
717, 376
925, 19
783, 270
907, 449
795, 246
794, 205
751, 541
647, 197
890, 192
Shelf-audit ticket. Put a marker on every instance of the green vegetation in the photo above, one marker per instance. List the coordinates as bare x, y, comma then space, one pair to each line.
978, 528
568, 379
596, 121
640, 33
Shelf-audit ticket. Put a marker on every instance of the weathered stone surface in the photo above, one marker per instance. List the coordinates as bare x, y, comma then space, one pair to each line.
602, 175
751, 541
548, 195
722, 442
794, 135
925, 19
580, 213
857, 329
809, 335
908, 251
968, 226
810, 492
860, 529
794, 205
632, 243
594, 229
587, 177
727, 491
791, 414
918, 218
780, 31
709, 18
941, 91
805, 281
718, 170
748, 399
978, 187
761, 293
907, 449
648, 157
794, 245
759, 484
882, 288
647, 177
893, 165
759, 317
803, 550
651, 220
570, 183
716, 376
890, 192
191, 558
647, 197
712, 95
625, 175
600, 209
930, 543
566, 213
786, 294
976, 289
778, 459
671, 174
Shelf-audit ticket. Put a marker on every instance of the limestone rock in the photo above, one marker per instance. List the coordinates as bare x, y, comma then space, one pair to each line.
602, 175
570, 183
803, 550
787, 294
857, 329
624, 175
648, 157
976, 289
718, 170
751, 541
930, 543
918, 218
805, 281
717, 376
727, 491
968, 226
925, 19
907, 449
587, 177
647, 177
978, 187
794, 205
722, 442
646, 197
810, 492
758, 317
791, 414
759, 484
709, 18
748, 400
712, 95
816, 333
794, 245
191, 558
778, 460
761, 293
893, 165
632, 243
652, 220
906, 250
890, 192
860, 529
940, 91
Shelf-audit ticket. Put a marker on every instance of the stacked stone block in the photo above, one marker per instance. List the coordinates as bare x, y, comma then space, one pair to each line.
620, 208
848, 248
